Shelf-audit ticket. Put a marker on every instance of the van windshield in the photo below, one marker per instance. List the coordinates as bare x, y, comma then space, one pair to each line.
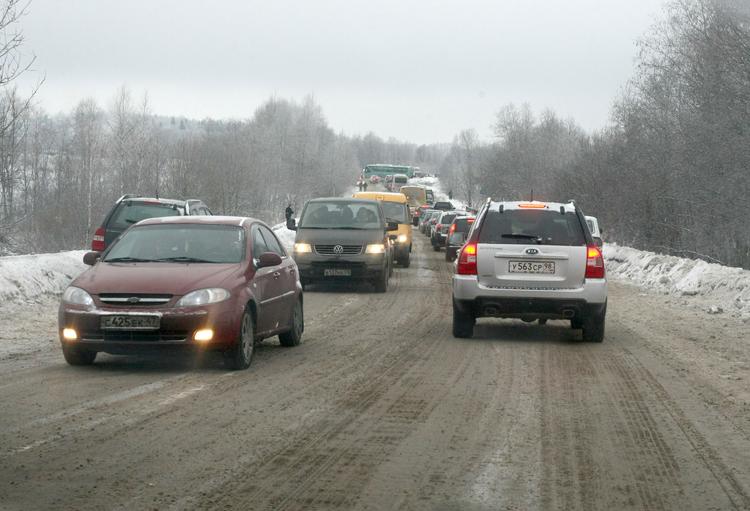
396, 212
341, 215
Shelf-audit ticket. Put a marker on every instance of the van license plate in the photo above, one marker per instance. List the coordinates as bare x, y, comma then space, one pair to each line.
128, 322
337, 272
530, 267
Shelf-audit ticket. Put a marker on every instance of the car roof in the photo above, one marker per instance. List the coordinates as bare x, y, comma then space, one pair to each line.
384, 196
343, 199
173, 202
211, 220
569, 207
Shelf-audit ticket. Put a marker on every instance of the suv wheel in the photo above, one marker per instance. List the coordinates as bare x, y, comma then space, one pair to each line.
463, 323
593, 327
294, 335
405, 260
76, 356
240, 355
381, 283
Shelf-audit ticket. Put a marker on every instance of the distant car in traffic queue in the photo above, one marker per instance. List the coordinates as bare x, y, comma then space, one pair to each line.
440, 230
456, 237
131, 209
424, 223
444, 206
343, 240
184, 283
419, 212
533, 261
396, 209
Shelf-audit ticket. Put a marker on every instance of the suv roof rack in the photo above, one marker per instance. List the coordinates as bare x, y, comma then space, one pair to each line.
127, 196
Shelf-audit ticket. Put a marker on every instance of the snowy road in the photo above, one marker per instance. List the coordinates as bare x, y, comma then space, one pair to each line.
381, 408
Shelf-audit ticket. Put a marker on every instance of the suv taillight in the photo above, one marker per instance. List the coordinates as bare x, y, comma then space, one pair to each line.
467, 260
97, 242
452, 229
594, 263
439, 227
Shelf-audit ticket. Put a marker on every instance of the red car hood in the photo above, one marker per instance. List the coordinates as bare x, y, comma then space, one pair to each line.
158, 278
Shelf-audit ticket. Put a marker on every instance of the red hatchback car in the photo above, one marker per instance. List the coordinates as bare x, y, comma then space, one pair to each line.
202, 283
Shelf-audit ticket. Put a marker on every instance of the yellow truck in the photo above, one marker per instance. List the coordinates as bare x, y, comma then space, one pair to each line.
396, 209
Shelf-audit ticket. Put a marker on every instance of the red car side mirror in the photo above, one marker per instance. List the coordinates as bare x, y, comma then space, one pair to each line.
268, 259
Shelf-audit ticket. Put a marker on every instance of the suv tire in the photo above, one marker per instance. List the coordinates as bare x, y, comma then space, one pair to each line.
241, 354
463, 323
593, 327
76, 356
294, 336
381, 283
405, 260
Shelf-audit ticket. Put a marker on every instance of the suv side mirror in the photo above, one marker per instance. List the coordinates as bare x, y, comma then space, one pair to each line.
291, 224
91, 258
391, 226
267, 259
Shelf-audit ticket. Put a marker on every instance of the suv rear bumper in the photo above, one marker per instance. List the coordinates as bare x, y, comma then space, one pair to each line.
484, 301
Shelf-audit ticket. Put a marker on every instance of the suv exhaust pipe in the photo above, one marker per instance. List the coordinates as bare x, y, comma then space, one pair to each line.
568, 313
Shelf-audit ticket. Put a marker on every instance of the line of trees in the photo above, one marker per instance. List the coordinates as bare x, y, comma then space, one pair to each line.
62, 173
672, 171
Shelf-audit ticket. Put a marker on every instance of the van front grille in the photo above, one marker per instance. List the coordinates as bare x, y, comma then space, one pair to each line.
334, 250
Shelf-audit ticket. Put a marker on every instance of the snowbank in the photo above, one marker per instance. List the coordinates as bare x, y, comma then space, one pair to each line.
727, 288
27, 277
437, 189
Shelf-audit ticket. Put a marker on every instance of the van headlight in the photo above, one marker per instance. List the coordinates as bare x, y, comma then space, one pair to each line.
402, 238
203, 297
375, 248
302, 248
77, 296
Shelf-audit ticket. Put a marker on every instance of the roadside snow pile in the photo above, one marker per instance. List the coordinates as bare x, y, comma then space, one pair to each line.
726, 287
27, 277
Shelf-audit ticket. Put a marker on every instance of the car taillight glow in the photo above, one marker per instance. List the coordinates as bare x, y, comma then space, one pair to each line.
467, 260
532, 205
97, 242
594, 263
452, 229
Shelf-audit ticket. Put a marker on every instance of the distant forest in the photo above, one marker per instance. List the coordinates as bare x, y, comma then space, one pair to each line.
670, 172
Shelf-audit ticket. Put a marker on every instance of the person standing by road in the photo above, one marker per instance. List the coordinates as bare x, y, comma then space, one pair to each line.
288, 212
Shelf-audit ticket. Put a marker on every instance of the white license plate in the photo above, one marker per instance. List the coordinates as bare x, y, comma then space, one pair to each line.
128, 322
531, 267
337, 272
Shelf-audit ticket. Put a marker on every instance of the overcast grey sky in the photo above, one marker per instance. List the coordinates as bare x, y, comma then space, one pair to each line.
414, 70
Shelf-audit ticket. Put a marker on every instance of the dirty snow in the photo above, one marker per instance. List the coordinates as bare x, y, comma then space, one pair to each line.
27, 278
722, 288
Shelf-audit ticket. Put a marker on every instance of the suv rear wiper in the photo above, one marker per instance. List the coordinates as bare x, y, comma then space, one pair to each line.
128, 260
183, 259
523, 236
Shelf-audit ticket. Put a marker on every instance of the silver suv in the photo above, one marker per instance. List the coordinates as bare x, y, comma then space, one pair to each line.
533, 261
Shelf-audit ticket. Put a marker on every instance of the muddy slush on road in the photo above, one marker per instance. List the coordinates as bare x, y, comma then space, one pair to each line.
368, 414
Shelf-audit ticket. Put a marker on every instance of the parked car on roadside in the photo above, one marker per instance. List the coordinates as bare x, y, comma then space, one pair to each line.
343, 239
131, 209
184, 283
533, 261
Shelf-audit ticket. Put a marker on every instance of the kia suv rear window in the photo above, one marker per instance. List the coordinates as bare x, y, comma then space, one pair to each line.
524, 227
129, 213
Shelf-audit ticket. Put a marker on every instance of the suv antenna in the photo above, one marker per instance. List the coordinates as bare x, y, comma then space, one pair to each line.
532, 195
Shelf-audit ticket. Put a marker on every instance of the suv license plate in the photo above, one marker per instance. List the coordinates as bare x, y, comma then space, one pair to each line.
530, 267
128, 322
337, 272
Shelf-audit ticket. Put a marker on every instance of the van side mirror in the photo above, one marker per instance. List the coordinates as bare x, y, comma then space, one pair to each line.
291, 224
91, 258
391, 226
267, 259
